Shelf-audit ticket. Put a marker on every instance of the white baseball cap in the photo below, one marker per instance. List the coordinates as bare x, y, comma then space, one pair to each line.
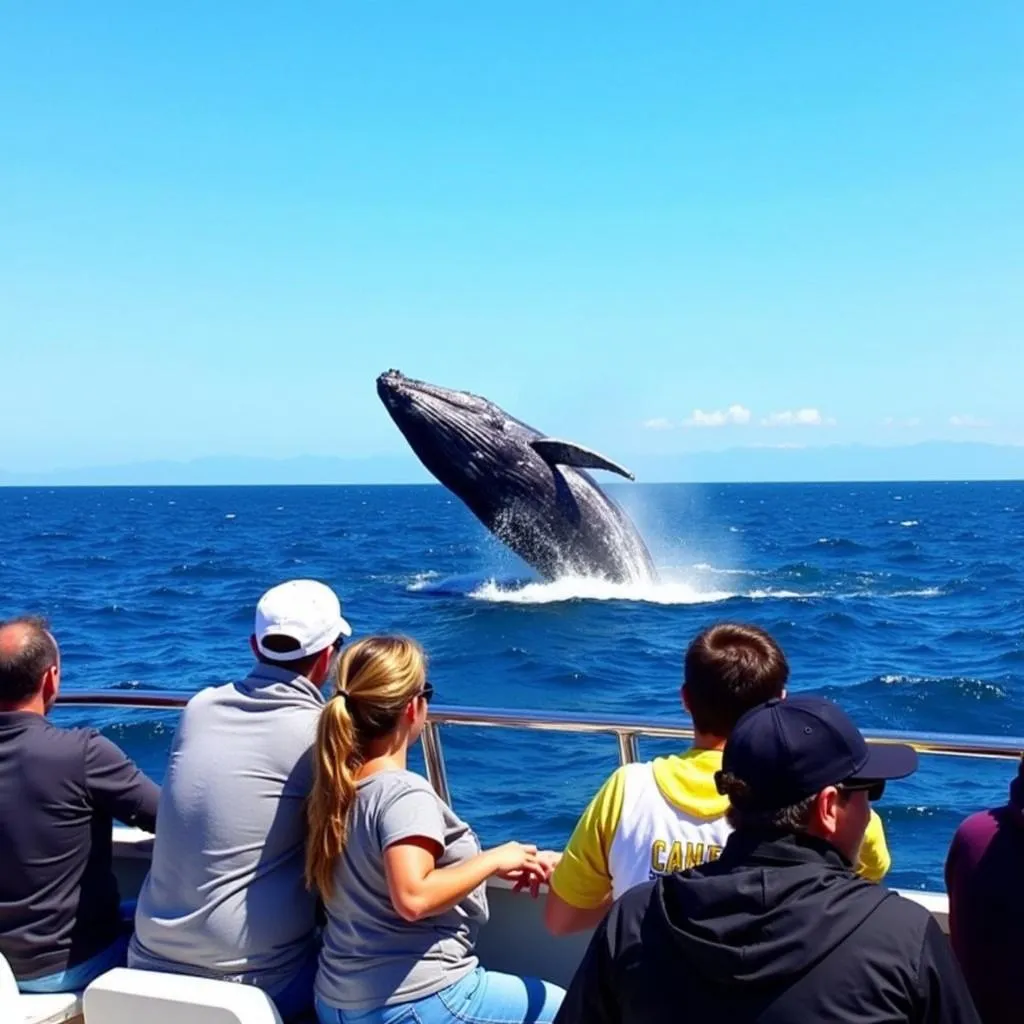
305, 611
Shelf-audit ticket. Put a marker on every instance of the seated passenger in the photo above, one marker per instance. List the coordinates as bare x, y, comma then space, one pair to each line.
662, 816
402, 878
779, 929
60, 791
225, 896
985, 882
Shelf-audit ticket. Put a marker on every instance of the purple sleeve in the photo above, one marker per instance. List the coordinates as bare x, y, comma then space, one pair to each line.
979, 881
116, 785
970, 842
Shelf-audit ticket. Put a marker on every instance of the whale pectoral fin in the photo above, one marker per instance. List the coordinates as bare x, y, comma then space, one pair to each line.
566, 453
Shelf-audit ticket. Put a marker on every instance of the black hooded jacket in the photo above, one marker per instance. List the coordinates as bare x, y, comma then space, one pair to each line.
778, 930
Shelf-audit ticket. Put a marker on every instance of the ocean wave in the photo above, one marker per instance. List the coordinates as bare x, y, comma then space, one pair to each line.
800, 570
977, 689
840, 545
705, 567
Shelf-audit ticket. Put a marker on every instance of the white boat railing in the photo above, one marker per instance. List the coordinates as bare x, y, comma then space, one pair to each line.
625, 730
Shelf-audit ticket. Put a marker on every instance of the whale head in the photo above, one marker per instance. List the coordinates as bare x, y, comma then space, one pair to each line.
461, 438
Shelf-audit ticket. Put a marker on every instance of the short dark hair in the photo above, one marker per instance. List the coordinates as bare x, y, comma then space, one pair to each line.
740, 816
282, 644
22, 669
729, 669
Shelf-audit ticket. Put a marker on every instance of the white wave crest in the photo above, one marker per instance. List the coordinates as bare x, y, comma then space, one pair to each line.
422, 580
705, 567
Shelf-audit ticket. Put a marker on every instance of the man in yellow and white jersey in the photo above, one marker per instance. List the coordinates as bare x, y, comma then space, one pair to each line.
659, 817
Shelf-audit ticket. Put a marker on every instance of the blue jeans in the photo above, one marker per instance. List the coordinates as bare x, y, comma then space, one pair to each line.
296, 998
482, 997
74, 979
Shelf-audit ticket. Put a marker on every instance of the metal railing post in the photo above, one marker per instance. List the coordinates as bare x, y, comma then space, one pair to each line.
433, 755
627, 747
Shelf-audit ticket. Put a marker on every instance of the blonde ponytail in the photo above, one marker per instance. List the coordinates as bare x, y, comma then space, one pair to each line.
334, 788
376, 678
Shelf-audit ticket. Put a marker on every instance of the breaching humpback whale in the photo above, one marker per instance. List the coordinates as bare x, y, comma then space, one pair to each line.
528, 489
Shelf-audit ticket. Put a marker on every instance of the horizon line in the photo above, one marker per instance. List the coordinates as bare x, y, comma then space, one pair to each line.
611, 484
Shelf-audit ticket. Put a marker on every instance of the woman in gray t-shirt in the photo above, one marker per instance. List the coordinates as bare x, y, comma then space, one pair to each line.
402, 878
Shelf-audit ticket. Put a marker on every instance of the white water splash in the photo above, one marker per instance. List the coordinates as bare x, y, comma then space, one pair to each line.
587, 588
581, 588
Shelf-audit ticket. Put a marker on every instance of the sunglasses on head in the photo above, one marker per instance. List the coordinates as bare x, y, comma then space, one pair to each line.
874, 789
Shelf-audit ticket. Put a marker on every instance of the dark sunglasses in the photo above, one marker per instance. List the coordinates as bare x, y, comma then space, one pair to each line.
338, 644
427, 692
874, 790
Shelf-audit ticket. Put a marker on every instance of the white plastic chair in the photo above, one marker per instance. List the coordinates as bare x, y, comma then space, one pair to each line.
126, 996
17, 1008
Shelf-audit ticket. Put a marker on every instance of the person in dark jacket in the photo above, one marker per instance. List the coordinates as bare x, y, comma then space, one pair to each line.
778, 930
60, 790
985, 882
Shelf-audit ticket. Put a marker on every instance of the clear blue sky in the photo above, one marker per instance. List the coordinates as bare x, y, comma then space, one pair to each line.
220, 221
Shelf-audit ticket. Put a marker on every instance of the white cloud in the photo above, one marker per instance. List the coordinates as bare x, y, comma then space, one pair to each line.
798, 418
898, 423
735, 415
658, 423
969, 422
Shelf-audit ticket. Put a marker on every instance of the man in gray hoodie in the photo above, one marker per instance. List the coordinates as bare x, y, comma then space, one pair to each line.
225, 896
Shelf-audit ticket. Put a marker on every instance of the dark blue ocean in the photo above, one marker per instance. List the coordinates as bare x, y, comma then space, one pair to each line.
905, 602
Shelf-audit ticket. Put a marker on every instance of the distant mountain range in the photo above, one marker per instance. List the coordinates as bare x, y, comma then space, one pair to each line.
934, 460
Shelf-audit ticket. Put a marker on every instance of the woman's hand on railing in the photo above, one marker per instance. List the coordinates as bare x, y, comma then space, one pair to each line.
512, 859
534, 876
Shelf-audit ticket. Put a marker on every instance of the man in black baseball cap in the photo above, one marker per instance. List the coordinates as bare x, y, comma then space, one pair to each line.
779, 929
785, 753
